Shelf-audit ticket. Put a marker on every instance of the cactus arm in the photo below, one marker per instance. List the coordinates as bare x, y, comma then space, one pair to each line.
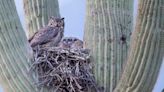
106, 22
146, 49
14, 60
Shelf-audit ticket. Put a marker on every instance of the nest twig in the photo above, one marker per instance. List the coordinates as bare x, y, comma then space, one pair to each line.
66, 70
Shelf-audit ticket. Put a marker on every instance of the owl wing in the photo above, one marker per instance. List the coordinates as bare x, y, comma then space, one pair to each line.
29, 40
43, 36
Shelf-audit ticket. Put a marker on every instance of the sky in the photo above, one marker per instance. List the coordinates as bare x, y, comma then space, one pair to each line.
74, 13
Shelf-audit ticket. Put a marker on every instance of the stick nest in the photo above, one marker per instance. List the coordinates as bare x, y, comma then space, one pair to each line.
65, 70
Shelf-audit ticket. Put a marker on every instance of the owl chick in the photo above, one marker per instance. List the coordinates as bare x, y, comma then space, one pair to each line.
64, 44
77, 44
71, 42
49, 35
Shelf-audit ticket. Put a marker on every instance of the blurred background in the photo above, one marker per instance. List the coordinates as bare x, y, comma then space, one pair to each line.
74, 13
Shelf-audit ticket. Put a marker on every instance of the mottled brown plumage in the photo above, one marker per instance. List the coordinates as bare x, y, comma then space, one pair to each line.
77, 44
71, 42
49, 35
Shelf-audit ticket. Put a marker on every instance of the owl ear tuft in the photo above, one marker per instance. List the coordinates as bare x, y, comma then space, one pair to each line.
62, 18
62, 22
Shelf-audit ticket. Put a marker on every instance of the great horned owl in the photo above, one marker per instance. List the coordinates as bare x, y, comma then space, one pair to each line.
71, 42
50, 35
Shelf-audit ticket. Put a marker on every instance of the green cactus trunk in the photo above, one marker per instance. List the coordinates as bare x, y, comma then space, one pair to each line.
146, 49
107, 33
38, 12
14, 61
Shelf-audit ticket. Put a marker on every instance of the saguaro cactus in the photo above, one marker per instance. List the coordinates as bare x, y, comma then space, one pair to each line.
102, 36
14, 61
146, 50
37, 13
107, 32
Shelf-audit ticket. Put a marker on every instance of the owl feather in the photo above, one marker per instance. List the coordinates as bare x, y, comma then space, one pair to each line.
53, 32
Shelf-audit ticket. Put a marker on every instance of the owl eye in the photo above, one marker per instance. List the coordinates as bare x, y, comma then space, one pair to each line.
75, 39
69, 39
64, 39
